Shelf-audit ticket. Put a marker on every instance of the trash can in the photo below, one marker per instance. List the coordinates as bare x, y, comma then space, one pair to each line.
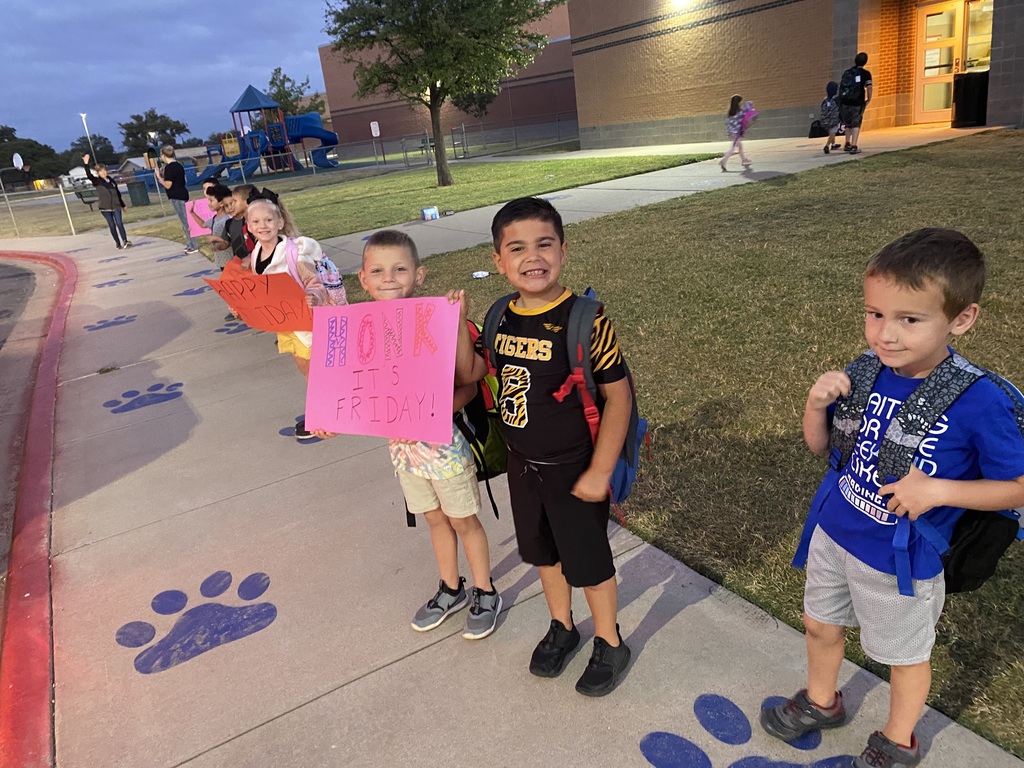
970, 99
138, 193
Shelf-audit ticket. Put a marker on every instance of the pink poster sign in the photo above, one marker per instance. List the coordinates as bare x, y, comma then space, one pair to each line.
201, 208
384, 368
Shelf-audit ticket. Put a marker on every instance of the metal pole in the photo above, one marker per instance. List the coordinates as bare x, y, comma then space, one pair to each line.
88, 136
6, 200
66, 209
374, 143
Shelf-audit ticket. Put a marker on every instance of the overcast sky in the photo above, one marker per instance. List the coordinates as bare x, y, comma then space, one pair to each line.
114, 58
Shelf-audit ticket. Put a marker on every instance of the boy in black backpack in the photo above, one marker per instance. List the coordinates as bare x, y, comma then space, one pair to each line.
854, 95
829, 115
558, 479
919, 291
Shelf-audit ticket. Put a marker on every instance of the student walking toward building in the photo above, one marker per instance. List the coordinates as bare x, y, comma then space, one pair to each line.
736, 122
854, 97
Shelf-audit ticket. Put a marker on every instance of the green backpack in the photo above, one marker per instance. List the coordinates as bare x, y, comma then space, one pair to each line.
478, 422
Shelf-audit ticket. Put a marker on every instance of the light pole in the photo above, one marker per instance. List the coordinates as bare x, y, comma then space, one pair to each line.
89, 137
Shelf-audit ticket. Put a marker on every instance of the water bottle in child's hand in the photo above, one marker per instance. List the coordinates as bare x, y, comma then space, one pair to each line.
331, 279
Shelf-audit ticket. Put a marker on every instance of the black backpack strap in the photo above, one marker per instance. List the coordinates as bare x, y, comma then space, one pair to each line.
921, 412
849, 411
491, 322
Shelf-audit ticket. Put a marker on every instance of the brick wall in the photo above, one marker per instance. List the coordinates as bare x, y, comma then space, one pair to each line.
540, 90
646, 73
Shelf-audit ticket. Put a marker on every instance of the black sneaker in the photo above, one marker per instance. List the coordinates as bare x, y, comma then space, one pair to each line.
792, 719
553, 651
827, 149
883, 753
605, 669
127, 243
301, 433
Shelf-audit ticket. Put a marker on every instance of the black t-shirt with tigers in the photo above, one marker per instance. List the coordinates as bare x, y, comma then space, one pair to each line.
532, 364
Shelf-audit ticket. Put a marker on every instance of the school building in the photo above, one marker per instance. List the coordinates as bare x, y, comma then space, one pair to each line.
543, 92
663, 71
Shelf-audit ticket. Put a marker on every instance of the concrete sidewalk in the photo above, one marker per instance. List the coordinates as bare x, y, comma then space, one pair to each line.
226, 596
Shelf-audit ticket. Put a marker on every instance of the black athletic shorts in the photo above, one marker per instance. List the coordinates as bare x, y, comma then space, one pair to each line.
553, 526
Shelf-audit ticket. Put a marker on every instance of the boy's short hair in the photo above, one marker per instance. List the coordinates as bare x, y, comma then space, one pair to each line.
167, 151
525, 209
860, 59
392, 238
944, 257
219, 191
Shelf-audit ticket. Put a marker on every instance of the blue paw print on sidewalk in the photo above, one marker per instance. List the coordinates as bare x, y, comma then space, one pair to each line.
99, 325
194, 291
171, 258
133, 399
111, 283
199, 629
232, 327
725, 721
204, 273
104, 261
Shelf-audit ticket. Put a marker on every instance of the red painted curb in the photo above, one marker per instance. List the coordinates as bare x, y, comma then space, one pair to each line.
26, 656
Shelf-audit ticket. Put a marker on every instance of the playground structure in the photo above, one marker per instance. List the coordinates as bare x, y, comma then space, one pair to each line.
248, 150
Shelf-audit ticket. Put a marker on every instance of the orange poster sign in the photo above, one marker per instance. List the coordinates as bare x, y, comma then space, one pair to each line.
264, 302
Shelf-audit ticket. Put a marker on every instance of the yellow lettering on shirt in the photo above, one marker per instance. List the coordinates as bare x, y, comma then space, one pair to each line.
523, 347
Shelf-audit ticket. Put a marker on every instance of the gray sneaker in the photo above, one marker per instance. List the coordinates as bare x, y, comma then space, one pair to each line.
440, 607
483, 614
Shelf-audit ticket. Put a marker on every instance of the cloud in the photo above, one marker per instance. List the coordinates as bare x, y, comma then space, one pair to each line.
114, 58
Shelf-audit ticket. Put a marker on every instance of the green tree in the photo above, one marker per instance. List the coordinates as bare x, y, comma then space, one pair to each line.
430, 51
43, 158
105, 153
288, 94
136, 131
7, 134
195, 141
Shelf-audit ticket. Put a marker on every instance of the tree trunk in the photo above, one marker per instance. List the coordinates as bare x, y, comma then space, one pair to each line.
444, 175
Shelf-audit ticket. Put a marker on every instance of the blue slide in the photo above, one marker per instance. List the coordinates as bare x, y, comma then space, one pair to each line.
310, 126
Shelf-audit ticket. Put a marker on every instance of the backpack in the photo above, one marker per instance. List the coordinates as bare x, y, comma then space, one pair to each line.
979, 538
584, 312
816, 130
829, 112
478, 423
851, 90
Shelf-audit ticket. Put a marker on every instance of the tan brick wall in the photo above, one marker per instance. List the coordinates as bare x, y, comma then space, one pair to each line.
679, 65
539, 91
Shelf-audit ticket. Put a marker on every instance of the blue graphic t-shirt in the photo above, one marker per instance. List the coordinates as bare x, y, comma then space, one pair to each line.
976, 437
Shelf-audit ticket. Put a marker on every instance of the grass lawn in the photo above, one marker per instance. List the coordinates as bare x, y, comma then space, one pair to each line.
382, 201
728, 305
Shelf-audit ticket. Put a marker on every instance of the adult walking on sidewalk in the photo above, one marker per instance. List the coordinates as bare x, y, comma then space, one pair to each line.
854, 96
110, 200
172, 176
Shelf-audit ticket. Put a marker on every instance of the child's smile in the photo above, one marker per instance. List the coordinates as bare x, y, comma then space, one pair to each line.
531, 257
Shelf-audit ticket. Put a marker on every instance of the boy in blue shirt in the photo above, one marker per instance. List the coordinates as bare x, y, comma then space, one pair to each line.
557, 478
919, 291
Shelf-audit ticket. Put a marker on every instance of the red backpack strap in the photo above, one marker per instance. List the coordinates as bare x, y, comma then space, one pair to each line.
578, 331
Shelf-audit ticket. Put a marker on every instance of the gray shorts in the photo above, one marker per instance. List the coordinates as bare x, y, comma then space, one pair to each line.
842, 591
852, 115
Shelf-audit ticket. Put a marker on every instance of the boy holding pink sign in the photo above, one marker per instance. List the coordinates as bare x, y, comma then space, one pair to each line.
438, 480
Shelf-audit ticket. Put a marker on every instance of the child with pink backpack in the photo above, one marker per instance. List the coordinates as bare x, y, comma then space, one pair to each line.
280, 250
738, 120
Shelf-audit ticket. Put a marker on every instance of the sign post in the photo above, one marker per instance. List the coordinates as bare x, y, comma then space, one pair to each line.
375, 133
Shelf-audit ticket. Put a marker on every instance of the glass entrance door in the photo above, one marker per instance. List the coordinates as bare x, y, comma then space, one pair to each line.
940, 45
